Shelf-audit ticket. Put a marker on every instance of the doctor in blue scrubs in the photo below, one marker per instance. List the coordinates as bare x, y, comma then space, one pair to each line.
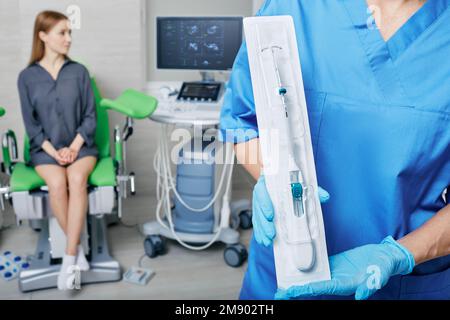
377, 82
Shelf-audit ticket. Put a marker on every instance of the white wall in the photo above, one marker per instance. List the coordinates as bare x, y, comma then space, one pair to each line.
109, 40
10, 62
157, 8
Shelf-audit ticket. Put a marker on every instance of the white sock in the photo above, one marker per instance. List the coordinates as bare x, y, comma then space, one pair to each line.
67, 273
81, 259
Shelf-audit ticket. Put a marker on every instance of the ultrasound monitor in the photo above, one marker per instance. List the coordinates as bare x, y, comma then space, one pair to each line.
198, 43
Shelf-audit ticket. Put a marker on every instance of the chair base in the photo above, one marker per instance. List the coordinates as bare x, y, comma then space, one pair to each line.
43, 273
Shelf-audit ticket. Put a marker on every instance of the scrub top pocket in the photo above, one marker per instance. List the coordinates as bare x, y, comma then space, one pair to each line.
426, 287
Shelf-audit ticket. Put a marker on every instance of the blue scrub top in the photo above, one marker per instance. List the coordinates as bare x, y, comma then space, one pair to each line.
379, 114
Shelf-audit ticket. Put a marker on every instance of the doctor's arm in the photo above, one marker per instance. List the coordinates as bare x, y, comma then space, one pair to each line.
432, 240
248, 155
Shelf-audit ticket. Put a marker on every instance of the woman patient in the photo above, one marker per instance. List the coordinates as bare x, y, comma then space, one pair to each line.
58, 110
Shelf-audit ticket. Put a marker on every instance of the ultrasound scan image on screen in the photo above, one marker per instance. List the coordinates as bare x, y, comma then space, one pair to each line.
198, 43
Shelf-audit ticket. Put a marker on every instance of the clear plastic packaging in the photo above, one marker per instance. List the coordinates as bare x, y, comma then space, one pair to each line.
285, 140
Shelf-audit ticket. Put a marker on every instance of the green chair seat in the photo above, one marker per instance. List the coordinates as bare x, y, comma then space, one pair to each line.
2, 112
25, 178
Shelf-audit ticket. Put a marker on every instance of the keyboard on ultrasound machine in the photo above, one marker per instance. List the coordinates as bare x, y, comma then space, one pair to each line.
189, 109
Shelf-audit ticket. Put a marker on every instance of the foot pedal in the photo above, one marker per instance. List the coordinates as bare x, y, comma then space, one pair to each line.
139, 276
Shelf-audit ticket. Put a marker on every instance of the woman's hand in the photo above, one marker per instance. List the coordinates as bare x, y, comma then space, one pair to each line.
73, 155
70, 154
60, 157
66, 156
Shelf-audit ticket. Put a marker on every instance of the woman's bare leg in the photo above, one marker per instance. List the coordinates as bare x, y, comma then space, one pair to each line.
55, 178
77, 176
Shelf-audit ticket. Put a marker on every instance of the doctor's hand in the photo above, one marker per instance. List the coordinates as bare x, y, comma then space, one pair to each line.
263, 212
361, 271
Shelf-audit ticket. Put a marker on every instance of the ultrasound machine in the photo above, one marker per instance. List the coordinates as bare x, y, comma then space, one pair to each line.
194, 205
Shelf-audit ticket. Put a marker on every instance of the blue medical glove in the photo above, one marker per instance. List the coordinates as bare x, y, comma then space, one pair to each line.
361, 271
263, 212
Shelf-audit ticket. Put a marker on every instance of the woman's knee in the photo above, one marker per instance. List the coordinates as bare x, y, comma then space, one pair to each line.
57, 184
77, 181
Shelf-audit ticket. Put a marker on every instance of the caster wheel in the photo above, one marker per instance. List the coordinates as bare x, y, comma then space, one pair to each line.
245, 219
234, 222
235, 255
154, 246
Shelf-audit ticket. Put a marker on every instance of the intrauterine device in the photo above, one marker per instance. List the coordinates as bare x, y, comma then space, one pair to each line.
285, 141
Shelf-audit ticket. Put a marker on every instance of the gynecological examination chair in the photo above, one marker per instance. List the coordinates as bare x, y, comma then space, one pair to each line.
109, 183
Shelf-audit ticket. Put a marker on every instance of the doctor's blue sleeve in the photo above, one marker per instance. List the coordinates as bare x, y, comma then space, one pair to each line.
238, 117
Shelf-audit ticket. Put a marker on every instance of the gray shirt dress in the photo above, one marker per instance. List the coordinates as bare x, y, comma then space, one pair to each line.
57, 110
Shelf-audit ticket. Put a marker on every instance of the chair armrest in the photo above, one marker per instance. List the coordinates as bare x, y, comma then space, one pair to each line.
132, 103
